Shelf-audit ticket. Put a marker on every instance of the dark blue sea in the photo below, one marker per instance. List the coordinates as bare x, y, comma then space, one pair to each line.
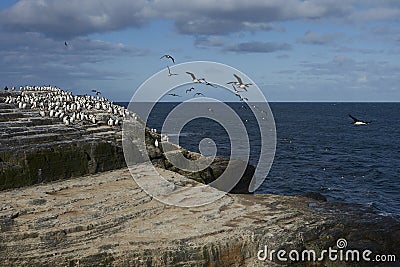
318, 149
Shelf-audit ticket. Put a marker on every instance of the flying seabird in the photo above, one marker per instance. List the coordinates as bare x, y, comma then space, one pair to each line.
198, 94
173, 95
189, 90
240, 83
168, 56
194, 79
210, 84
97, 92
65, 43
242, 98
169, 72
359, 122
235, 89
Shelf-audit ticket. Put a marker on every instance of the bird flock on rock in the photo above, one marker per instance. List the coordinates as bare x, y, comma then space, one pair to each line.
54, 102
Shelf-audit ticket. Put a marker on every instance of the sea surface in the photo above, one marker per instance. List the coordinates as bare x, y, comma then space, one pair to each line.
318, 149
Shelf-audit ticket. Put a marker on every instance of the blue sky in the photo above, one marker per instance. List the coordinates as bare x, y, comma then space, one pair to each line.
315, 50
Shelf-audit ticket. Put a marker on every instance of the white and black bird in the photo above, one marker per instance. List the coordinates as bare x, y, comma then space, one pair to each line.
196, 94
164, 137
359, 122
173, 94
169, 57
110, 122
189, 90
66, 44
97, 92
240, 83
66, 121
235, 89
170, 73
209, 84
242, 98
194, 79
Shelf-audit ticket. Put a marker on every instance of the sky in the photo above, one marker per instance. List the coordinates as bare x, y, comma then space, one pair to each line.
294, 50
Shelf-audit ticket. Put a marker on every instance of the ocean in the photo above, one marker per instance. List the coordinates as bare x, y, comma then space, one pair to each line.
318, 149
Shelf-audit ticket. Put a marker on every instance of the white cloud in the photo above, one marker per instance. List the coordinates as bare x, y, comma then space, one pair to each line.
376, 14
257, 47
311, 37
209, 41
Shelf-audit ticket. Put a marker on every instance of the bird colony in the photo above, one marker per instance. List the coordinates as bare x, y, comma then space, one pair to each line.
53, 102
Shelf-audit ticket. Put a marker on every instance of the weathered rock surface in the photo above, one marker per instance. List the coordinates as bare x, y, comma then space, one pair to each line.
35, 149
107, 220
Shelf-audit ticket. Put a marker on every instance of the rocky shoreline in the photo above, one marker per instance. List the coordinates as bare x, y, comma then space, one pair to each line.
79, 206
37, 148
107, 220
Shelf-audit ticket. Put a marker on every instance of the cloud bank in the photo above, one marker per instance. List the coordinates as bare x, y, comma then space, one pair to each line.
68, 19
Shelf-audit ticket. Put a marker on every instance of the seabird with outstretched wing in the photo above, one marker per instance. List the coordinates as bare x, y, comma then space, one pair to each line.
358, 122
169, 57
194, 79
